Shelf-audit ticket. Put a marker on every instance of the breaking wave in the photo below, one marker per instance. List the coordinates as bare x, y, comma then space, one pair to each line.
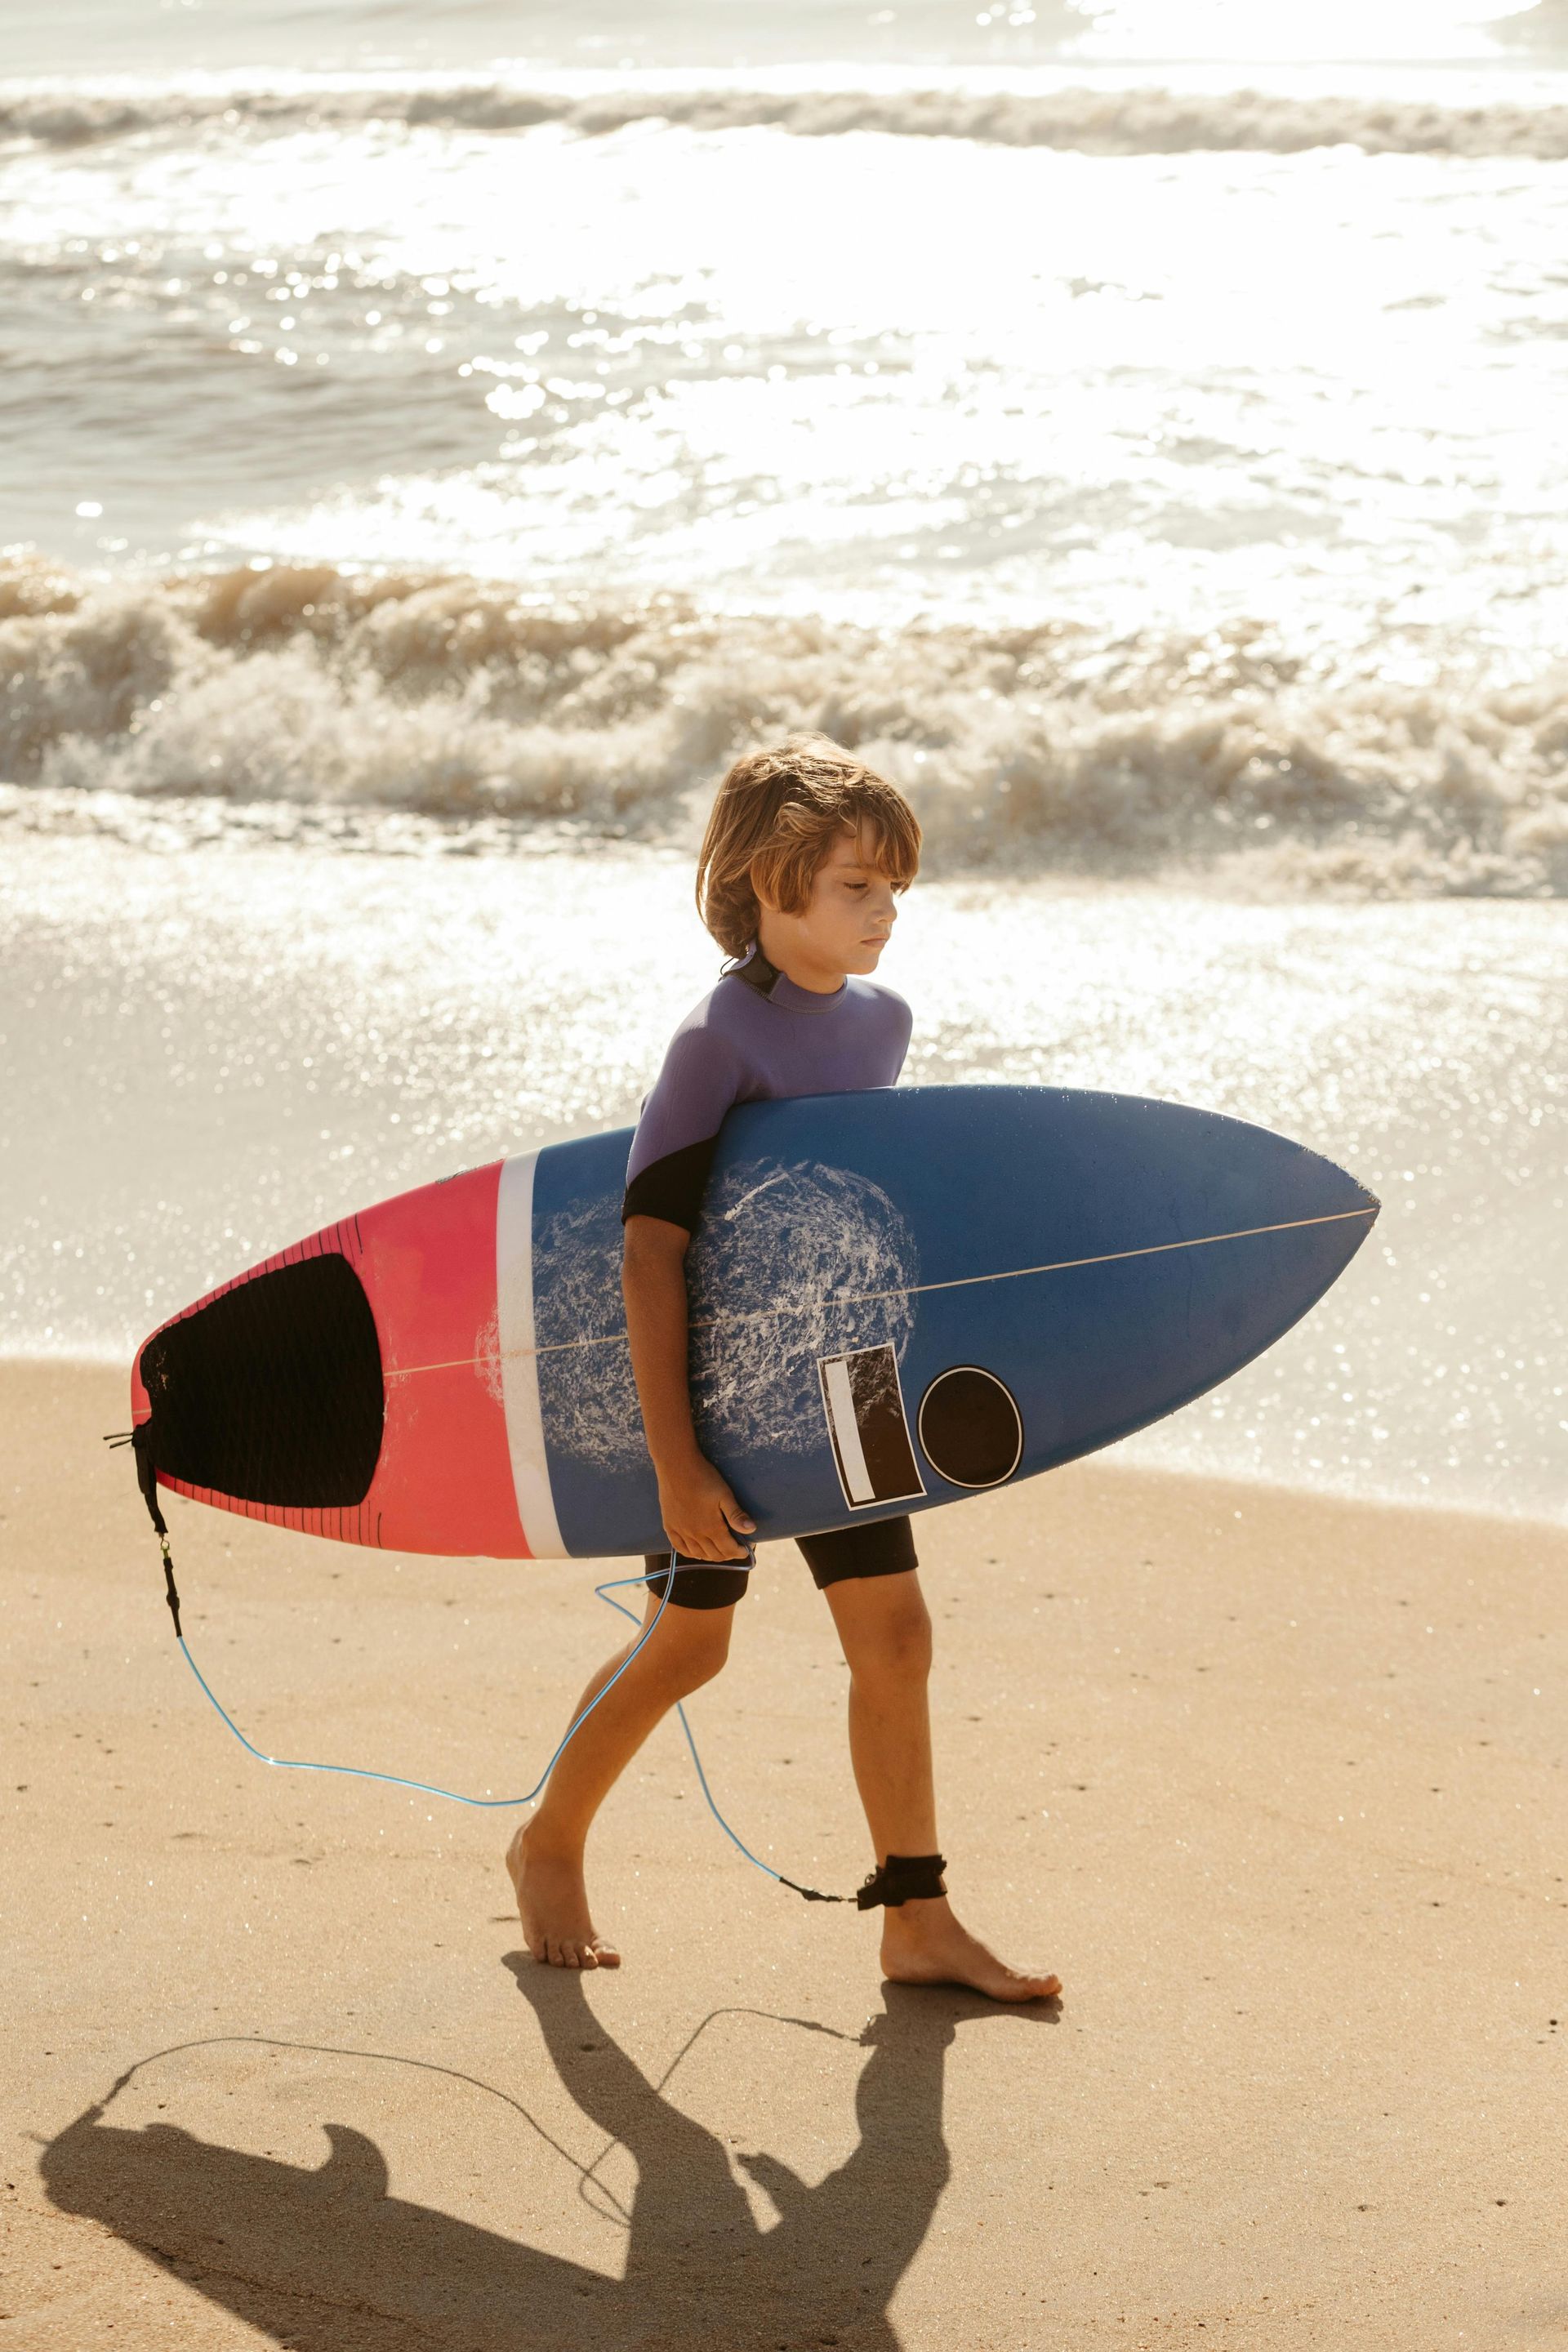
1098, 122
317, 699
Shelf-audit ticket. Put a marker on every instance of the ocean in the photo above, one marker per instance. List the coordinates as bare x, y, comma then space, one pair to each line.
433, 441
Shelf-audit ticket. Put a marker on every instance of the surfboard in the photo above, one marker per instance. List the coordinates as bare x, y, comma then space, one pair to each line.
898, 1299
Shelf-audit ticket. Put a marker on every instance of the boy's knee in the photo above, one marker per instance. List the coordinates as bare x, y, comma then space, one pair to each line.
698, 1645
899, 1647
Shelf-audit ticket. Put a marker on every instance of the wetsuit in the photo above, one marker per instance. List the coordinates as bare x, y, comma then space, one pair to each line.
755, 1038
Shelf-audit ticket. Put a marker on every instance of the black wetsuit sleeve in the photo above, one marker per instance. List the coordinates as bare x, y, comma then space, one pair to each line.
673, 1188
672, 1150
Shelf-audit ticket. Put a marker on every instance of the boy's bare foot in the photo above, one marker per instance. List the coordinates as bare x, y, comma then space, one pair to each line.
922, 1943
552, 1904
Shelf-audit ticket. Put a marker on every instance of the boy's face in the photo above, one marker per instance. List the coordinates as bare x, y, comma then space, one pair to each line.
847, 918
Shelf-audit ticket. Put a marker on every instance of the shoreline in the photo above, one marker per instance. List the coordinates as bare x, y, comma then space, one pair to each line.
1273, 1778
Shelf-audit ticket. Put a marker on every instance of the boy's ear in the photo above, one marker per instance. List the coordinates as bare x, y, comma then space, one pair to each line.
760, 891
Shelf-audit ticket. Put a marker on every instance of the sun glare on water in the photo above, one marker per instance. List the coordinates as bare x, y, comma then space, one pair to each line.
1265, 31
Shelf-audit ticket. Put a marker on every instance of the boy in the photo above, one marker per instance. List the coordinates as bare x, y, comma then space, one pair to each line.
805, 855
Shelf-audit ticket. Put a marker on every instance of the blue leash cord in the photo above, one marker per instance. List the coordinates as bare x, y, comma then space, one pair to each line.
489, 1804
604, 1591
147, 1479
428, 1788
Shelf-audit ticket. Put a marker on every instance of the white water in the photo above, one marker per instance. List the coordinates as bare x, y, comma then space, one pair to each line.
301, 698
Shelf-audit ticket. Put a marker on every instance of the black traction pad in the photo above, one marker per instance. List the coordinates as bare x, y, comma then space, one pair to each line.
272, 1392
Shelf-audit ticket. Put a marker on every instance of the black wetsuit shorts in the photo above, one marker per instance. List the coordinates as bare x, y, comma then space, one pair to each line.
879, 1547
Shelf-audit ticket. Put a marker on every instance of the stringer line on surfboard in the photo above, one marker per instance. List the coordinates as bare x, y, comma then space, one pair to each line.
904, 1290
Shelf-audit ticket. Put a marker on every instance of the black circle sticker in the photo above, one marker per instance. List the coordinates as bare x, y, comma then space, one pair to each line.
971, 1430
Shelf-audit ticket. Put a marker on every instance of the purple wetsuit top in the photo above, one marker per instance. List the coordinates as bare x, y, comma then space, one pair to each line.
757, 1038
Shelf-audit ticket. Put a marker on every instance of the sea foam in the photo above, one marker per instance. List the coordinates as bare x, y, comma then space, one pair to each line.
1149, 121
316, 694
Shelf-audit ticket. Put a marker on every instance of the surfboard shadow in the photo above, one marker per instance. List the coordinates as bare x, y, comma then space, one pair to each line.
317, 2257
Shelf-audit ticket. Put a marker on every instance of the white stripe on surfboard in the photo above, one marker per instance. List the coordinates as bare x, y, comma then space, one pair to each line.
847, 1431
520, 1358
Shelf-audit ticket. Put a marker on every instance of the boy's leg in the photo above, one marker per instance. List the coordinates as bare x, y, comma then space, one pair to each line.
545, 1857
885, 1630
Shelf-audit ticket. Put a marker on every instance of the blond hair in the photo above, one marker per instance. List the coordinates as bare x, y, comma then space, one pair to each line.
776, 816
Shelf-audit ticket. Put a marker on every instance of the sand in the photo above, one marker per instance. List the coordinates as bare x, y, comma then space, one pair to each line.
1275, 1782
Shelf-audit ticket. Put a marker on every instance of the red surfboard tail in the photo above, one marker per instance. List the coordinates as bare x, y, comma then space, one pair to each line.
350, 1386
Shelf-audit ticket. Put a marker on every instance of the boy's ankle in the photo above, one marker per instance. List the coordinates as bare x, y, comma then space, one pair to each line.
544, 1843
915, 1914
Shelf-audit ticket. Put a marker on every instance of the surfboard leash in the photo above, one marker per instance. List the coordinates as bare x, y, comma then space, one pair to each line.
140, 1440
901, 1878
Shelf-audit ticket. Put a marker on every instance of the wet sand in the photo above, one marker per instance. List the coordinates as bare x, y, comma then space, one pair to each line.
1275, 1782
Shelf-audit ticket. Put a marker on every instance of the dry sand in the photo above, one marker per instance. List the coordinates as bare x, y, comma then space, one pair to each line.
1275, 1782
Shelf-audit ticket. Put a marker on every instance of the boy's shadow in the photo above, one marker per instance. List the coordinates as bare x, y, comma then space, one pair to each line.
322, 2259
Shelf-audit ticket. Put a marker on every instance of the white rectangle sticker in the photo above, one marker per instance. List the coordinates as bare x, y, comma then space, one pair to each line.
841, 1411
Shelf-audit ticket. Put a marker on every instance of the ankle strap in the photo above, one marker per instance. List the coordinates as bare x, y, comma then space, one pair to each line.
903, 1878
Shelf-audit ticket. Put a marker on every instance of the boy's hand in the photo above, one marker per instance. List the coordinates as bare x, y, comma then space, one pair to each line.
701, 1517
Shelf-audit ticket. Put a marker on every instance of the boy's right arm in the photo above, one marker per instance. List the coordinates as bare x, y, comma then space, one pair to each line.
696, 1506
